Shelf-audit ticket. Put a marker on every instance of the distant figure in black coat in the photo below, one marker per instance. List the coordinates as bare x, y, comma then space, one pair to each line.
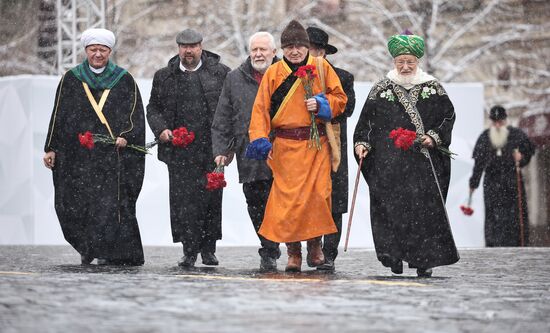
498, 151
319, 47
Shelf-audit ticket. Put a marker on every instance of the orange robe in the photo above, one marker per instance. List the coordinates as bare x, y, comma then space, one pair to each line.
299, 204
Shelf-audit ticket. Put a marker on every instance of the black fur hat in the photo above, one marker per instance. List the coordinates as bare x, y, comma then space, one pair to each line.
497, 113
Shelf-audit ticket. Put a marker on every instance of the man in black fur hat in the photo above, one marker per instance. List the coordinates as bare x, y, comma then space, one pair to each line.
320, 47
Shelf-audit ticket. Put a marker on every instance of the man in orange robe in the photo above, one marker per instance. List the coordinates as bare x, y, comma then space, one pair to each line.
299, 204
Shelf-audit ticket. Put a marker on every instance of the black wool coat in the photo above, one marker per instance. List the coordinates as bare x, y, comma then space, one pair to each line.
163, 103
195, 212
340, 177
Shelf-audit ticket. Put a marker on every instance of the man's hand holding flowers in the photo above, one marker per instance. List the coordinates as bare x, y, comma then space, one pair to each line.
427, 141
322, 108
166, 135
120, 142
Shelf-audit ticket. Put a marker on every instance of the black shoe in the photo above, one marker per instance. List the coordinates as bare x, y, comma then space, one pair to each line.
188, 260
102, 262
424, 272
86, 260
397, 268
268, 264
208, 258
328, 265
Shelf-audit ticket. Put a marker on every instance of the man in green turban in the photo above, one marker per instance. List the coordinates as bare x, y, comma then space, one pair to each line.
406, 44
408, 215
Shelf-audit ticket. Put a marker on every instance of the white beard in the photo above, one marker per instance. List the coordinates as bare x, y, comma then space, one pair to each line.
260, 67
409, 81
498, 138
405, 80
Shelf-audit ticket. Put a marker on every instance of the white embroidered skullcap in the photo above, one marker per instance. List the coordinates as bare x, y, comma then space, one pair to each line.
98, 36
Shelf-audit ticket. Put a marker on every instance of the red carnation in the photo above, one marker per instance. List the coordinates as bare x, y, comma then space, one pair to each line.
306, 72
86, 139
467, 210
402, 138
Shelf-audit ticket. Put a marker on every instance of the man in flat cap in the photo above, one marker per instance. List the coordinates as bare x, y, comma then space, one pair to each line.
230, 135
185, 94
408, 188
96, 188
319, 47
299, 203
501, 151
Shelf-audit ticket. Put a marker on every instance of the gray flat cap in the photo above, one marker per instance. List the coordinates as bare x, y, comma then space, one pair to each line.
188, 36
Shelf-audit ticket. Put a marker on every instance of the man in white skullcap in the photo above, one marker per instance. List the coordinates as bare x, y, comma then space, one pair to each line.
96, 186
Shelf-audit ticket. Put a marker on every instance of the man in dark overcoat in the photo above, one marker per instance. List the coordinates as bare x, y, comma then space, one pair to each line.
230, 135
185, 94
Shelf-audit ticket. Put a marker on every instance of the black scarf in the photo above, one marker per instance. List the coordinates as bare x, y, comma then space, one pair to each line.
280, 93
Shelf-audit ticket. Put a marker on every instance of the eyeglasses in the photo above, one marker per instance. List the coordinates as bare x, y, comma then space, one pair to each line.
408, 63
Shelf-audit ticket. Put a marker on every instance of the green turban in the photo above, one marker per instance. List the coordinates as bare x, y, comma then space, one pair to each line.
406, 44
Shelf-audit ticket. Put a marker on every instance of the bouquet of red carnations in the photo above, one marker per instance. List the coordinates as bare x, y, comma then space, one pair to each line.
404, 139
307, 75
181, 137
216, 180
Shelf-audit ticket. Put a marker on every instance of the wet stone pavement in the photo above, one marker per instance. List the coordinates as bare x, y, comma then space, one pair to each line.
45, 289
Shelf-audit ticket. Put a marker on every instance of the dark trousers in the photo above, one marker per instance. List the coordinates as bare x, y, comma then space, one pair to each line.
256, 194
331, 241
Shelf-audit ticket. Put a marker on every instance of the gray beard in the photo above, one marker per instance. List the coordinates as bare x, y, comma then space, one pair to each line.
498, 136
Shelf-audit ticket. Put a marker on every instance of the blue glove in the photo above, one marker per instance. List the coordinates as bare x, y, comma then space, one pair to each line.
324, 112
258, 149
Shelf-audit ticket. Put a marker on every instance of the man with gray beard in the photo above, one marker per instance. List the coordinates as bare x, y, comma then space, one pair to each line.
230, 135
499, 150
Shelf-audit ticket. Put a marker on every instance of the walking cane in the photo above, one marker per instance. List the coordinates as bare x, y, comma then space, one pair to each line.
353, 203
520, 205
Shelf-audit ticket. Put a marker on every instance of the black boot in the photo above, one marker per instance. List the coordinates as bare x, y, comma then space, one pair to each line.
426, 273
268, 264
188, 261
397, 268
86, 259
208, 258
328, 265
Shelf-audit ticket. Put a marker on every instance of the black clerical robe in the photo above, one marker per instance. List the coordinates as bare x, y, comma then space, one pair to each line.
407, 215
500, 187
96, 189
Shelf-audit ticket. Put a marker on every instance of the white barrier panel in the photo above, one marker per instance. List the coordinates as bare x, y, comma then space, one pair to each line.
27, 214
